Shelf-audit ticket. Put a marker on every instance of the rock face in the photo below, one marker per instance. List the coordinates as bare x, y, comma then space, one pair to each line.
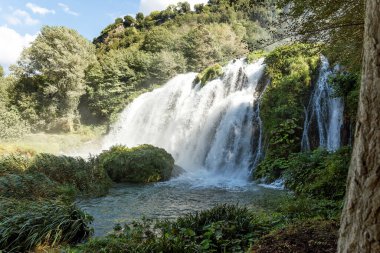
142, 164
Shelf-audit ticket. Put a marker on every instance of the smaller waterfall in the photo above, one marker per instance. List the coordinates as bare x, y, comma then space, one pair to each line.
326, 110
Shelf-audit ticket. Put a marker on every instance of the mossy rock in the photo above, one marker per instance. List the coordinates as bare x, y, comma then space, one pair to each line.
255, 55
208, 74
142, 164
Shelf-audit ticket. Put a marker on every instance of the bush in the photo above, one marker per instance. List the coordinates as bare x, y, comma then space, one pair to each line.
316, 174
85, 176
11, 124
209, 74
142, 164
25, 225
319, 174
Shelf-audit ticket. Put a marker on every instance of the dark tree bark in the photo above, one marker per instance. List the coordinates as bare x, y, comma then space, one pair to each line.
360, 223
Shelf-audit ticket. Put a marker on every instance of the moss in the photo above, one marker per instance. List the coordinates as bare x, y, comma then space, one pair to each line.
142, 164
208, 74
311, 236
255, 55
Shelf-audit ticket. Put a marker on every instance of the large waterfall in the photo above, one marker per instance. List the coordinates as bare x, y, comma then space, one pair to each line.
326, 110
214, 129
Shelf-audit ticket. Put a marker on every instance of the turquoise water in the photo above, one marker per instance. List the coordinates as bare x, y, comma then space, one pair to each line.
126, 203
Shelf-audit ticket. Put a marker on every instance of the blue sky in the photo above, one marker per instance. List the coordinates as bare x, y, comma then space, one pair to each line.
21, 20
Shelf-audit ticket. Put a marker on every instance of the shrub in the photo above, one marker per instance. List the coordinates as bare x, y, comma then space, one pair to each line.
85, 176
142, 164
208, 74
11, 124
25, 225
316, 174
319, 174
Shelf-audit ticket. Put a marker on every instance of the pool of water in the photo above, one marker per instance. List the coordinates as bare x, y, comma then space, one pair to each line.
168, 200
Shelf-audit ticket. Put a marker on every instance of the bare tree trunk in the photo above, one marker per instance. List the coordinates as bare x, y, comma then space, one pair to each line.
360, 223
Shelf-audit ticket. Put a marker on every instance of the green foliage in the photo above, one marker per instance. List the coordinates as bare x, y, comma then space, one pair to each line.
339, 24
11, 124
158, 39
13, 164
302, 208
317, 174
116, 76
225, 228
25, 225
347, 86
34, 186
165, 65
291, 69
255, 55
206, 45
142, 164
86, 176
51, 77
208, 74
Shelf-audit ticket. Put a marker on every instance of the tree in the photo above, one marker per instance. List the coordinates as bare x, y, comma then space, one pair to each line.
55, 66
112, 80
1, 72
184, 7
167, 64
157, 39
206, 45
360, 223
129, 21
339, 24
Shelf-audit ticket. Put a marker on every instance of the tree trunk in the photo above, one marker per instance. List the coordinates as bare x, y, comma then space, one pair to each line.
360, 223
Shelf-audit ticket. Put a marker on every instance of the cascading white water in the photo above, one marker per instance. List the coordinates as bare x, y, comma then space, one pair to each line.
215, 129
327, 110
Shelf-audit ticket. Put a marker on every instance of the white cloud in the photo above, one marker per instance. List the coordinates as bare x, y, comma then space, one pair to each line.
147, 6
12, 44
38, 9
66, 9
20, 17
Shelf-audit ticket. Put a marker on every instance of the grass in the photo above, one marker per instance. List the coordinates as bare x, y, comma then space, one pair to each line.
25, 225
52, 143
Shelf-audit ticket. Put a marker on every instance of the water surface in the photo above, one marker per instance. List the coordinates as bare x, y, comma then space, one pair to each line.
127, 202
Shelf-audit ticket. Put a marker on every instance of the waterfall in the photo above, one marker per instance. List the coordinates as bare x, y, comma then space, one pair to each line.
214, 128
326, 110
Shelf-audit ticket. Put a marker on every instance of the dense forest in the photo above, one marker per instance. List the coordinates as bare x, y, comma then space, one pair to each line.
64, 84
